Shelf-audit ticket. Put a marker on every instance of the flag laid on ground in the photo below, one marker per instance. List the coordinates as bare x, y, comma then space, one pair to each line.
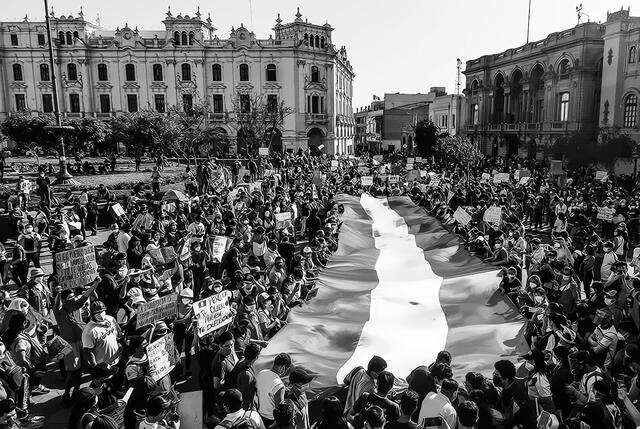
401, 287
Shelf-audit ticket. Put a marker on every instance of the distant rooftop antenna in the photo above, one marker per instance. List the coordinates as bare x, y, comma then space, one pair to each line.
251, 14
458, 77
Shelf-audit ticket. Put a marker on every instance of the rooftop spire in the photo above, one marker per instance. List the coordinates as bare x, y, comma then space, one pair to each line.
278, 20
298, 16
169, 12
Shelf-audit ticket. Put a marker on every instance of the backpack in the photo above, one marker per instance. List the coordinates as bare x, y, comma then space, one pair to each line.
231, 380
242, 422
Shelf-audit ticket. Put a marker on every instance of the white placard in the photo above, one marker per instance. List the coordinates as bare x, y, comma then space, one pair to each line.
162, 357
366, 180
263, 151
462, 216
493, 215
212, 313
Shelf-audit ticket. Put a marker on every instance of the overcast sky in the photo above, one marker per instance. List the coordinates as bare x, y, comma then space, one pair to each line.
394, 46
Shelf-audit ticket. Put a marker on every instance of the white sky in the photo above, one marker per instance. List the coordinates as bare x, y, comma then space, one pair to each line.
393, 45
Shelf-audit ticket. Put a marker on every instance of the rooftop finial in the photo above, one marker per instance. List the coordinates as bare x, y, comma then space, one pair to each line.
26, 18
168, 11
278, 20
198, 12
298, 16
98, 20
52, 14
81, 14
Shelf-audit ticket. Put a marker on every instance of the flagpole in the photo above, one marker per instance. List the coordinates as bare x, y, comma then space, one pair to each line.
528, 20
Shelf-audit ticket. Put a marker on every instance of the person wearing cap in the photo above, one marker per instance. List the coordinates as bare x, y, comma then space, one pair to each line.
38, 294
295, 394
236, 415
604, 339
182, 335
608, 259
30, 242
270, 387
100, 337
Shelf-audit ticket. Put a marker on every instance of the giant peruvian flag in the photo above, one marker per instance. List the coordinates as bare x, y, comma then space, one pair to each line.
401, 287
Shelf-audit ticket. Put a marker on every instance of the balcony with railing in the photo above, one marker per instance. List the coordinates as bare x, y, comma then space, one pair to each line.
316, 118
217, 117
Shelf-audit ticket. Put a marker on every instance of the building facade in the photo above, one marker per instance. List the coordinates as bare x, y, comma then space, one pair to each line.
619, 104
447, 111
103, 73
368, 132
520, 101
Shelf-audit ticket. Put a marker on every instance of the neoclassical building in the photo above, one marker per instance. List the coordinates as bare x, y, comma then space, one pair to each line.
104, 73
523, 99
619, 110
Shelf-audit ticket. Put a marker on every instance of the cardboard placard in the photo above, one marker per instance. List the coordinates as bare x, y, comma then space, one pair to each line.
58, 347
410, 161
76, 267
263, 151
601, 176
423, 173
418, 159
485, 176
556, 168
524, 180
283, 220
363, 170
162, 357
162, 256
117, 210
493, 215
378, 158
334, 163
216, 247
501, 178
143, 222
606, 213
212, 313
462, 216
25, 187
160, 309
394, 178
366, 180
409, 166
435, 181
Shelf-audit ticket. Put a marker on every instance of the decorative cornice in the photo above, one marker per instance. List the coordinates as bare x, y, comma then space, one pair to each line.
18, 86
131, 86
219, 86
301, 63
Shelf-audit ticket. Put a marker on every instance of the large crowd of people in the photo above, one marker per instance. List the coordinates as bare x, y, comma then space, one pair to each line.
254, 236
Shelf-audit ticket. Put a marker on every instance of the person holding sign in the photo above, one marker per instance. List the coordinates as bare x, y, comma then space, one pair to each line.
100, 337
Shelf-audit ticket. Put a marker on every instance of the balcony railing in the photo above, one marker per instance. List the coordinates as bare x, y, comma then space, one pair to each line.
216, 117
103, 115
558, 125
316, 117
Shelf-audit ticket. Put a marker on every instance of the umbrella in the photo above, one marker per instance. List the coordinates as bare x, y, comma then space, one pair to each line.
175, 196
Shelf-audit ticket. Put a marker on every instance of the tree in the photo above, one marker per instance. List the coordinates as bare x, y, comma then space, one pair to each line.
90, 135
30, 134
140, 132
426, 137
460, 151
256, 118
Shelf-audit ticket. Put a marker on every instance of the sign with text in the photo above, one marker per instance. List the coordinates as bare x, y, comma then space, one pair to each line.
524, 180
409, 166
366, 180
606, 213
556, 168
410, 161
162, 256
160, 309
117, 210
162, 357
394, 179
413, 175
378, 158
493, 215
217, 246
419, 159
334, 163
462, 216
283, 220
601, 176
76, 267
435, 181
501, 178
263, 151
212, 313
485, 176
25, 187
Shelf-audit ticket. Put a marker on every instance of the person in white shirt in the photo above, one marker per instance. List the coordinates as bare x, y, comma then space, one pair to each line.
100, 337
232, 404
122, 238
438, 404
270, 387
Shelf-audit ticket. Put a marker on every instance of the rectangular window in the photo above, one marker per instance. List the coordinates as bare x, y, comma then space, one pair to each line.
159, 102
132, 102
474, 112
41, 40
539, 111
563, 107
21, 103
47, 103
315, 104
218, 103
453, 120
14, 40
272, 103
245, 103
74, 103
105, 103
103, 74
187, 102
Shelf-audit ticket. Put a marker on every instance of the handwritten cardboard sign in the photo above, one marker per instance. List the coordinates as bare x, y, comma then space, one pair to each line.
263, 151
162, 357
606, 213
493, 215
212, 313
366, 180
601, 176
76, 267
160, 309
283, 220
162, 256
217, 245
462, 216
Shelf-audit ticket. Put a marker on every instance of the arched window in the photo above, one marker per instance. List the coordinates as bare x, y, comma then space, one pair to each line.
322, 42
474, 86
271, 73
630, 110
61, 37
563, 110
17, 72
217, 72
130, 72
72, 71
192, 38
315, 74
103, 74
306, 39
76, 35
45, 76
632, 55
244, 72
186, 71
317, 41
69, 38
563, 68
176, 38
184, 40
157, 72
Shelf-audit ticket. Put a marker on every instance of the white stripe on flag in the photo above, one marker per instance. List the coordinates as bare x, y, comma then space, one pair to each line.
406, 325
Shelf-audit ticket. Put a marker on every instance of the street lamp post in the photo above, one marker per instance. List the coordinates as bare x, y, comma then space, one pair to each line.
63, 177
635, 155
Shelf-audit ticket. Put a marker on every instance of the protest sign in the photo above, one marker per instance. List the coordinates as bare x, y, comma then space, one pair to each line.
117, 210
410, 161
606, 213
216, 247
378, 158
485, 176
423, 173
413, 175
493, 215
160, 309
556, 168
435, 181
419, 159
162, 357
501, 178
263, 151
76, 267
212, 313
334, 163
462, 216
162, 256
409, 166
143, 222
363, 170
58, 347
366, 180
524, 180
283, 220
601, 176
394, 179
25, 187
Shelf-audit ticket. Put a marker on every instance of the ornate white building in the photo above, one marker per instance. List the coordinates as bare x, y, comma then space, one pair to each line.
103, 73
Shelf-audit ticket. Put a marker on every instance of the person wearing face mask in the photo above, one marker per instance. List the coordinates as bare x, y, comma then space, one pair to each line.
609, 258
224, 361
561, 377
568, 293
604, 339
515, 401
30, 242
114, 280
182, 334
295, 394
269, 324
100, 337
510, 285
537, 380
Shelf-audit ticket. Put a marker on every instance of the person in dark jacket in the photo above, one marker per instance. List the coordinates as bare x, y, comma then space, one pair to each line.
313, 224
